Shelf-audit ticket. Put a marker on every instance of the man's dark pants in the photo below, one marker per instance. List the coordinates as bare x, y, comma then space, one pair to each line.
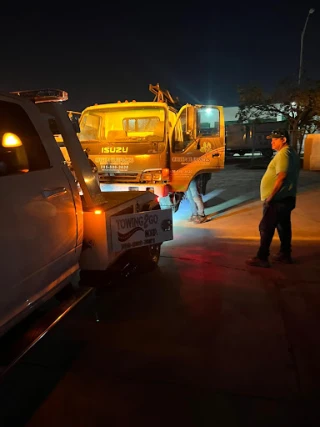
276, 215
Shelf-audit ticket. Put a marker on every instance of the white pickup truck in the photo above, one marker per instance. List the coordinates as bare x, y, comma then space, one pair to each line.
49, 230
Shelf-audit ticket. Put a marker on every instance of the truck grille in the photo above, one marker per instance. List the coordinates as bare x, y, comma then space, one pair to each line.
120, 177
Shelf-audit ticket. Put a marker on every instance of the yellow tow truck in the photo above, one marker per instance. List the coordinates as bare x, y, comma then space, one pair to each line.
154, 146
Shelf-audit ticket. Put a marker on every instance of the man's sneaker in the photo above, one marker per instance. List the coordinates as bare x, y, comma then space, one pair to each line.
257, 262
282, 258
199, 219
192, 218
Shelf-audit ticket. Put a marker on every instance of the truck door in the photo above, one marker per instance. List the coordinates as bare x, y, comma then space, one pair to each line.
38, 231
197, 143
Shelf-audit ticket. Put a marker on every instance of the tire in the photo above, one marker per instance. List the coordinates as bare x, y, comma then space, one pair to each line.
145, 258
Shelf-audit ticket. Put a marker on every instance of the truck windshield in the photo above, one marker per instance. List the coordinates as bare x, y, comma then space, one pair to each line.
127, 124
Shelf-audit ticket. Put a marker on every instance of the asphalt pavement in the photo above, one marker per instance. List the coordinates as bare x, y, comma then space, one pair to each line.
203, 340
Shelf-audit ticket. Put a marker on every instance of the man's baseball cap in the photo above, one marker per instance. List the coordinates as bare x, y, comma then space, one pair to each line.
279, 133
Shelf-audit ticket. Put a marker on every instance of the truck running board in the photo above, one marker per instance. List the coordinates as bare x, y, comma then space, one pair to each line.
18, 341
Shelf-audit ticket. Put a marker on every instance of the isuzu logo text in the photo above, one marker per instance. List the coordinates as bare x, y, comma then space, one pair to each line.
114, 150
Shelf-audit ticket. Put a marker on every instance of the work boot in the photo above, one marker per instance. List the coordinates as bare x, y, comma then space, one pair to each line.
257, 262
199, 219
282, 258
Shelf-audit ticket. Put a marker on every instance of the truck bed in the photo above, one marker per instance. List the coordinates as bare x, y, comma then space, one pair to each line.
117, 198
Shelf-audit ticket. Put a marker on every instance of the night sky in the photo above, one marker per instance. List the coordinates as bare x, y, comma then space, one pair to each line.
201, 52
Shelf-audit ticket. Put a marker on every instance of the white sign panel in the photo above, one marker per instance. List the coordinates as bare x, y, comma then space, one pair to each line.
144, 228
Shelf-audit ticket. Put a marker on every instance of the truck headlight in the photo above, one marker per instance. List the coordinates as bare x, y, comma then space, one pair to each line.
155, 175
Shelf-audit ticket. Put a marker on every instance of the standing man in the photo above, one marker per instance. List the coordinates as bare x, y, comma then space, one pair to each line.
278, 191
196, 203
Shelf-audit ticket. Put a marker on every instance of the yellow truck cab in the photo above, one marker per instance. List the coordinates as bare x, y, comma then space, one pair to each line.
152, 146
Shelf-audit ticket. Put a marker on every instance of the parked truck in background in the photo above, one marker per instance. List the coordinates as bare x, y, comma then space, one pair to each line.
50, 231
244, 138
154, 146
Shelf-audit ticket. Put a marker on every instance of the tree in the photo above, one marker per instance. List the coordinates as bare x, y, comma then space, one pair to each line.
298, 104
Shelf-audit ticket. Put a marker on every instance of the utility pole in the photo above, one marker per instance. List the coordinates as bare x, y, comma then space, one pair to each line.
301, 47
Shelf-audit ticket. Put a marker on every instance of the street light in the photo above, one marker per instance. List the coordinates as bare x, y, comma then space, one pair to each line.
302, 36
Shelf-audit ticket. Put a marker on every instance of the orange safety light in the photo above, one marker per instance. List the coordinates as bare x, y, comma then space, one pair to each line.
11, 140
